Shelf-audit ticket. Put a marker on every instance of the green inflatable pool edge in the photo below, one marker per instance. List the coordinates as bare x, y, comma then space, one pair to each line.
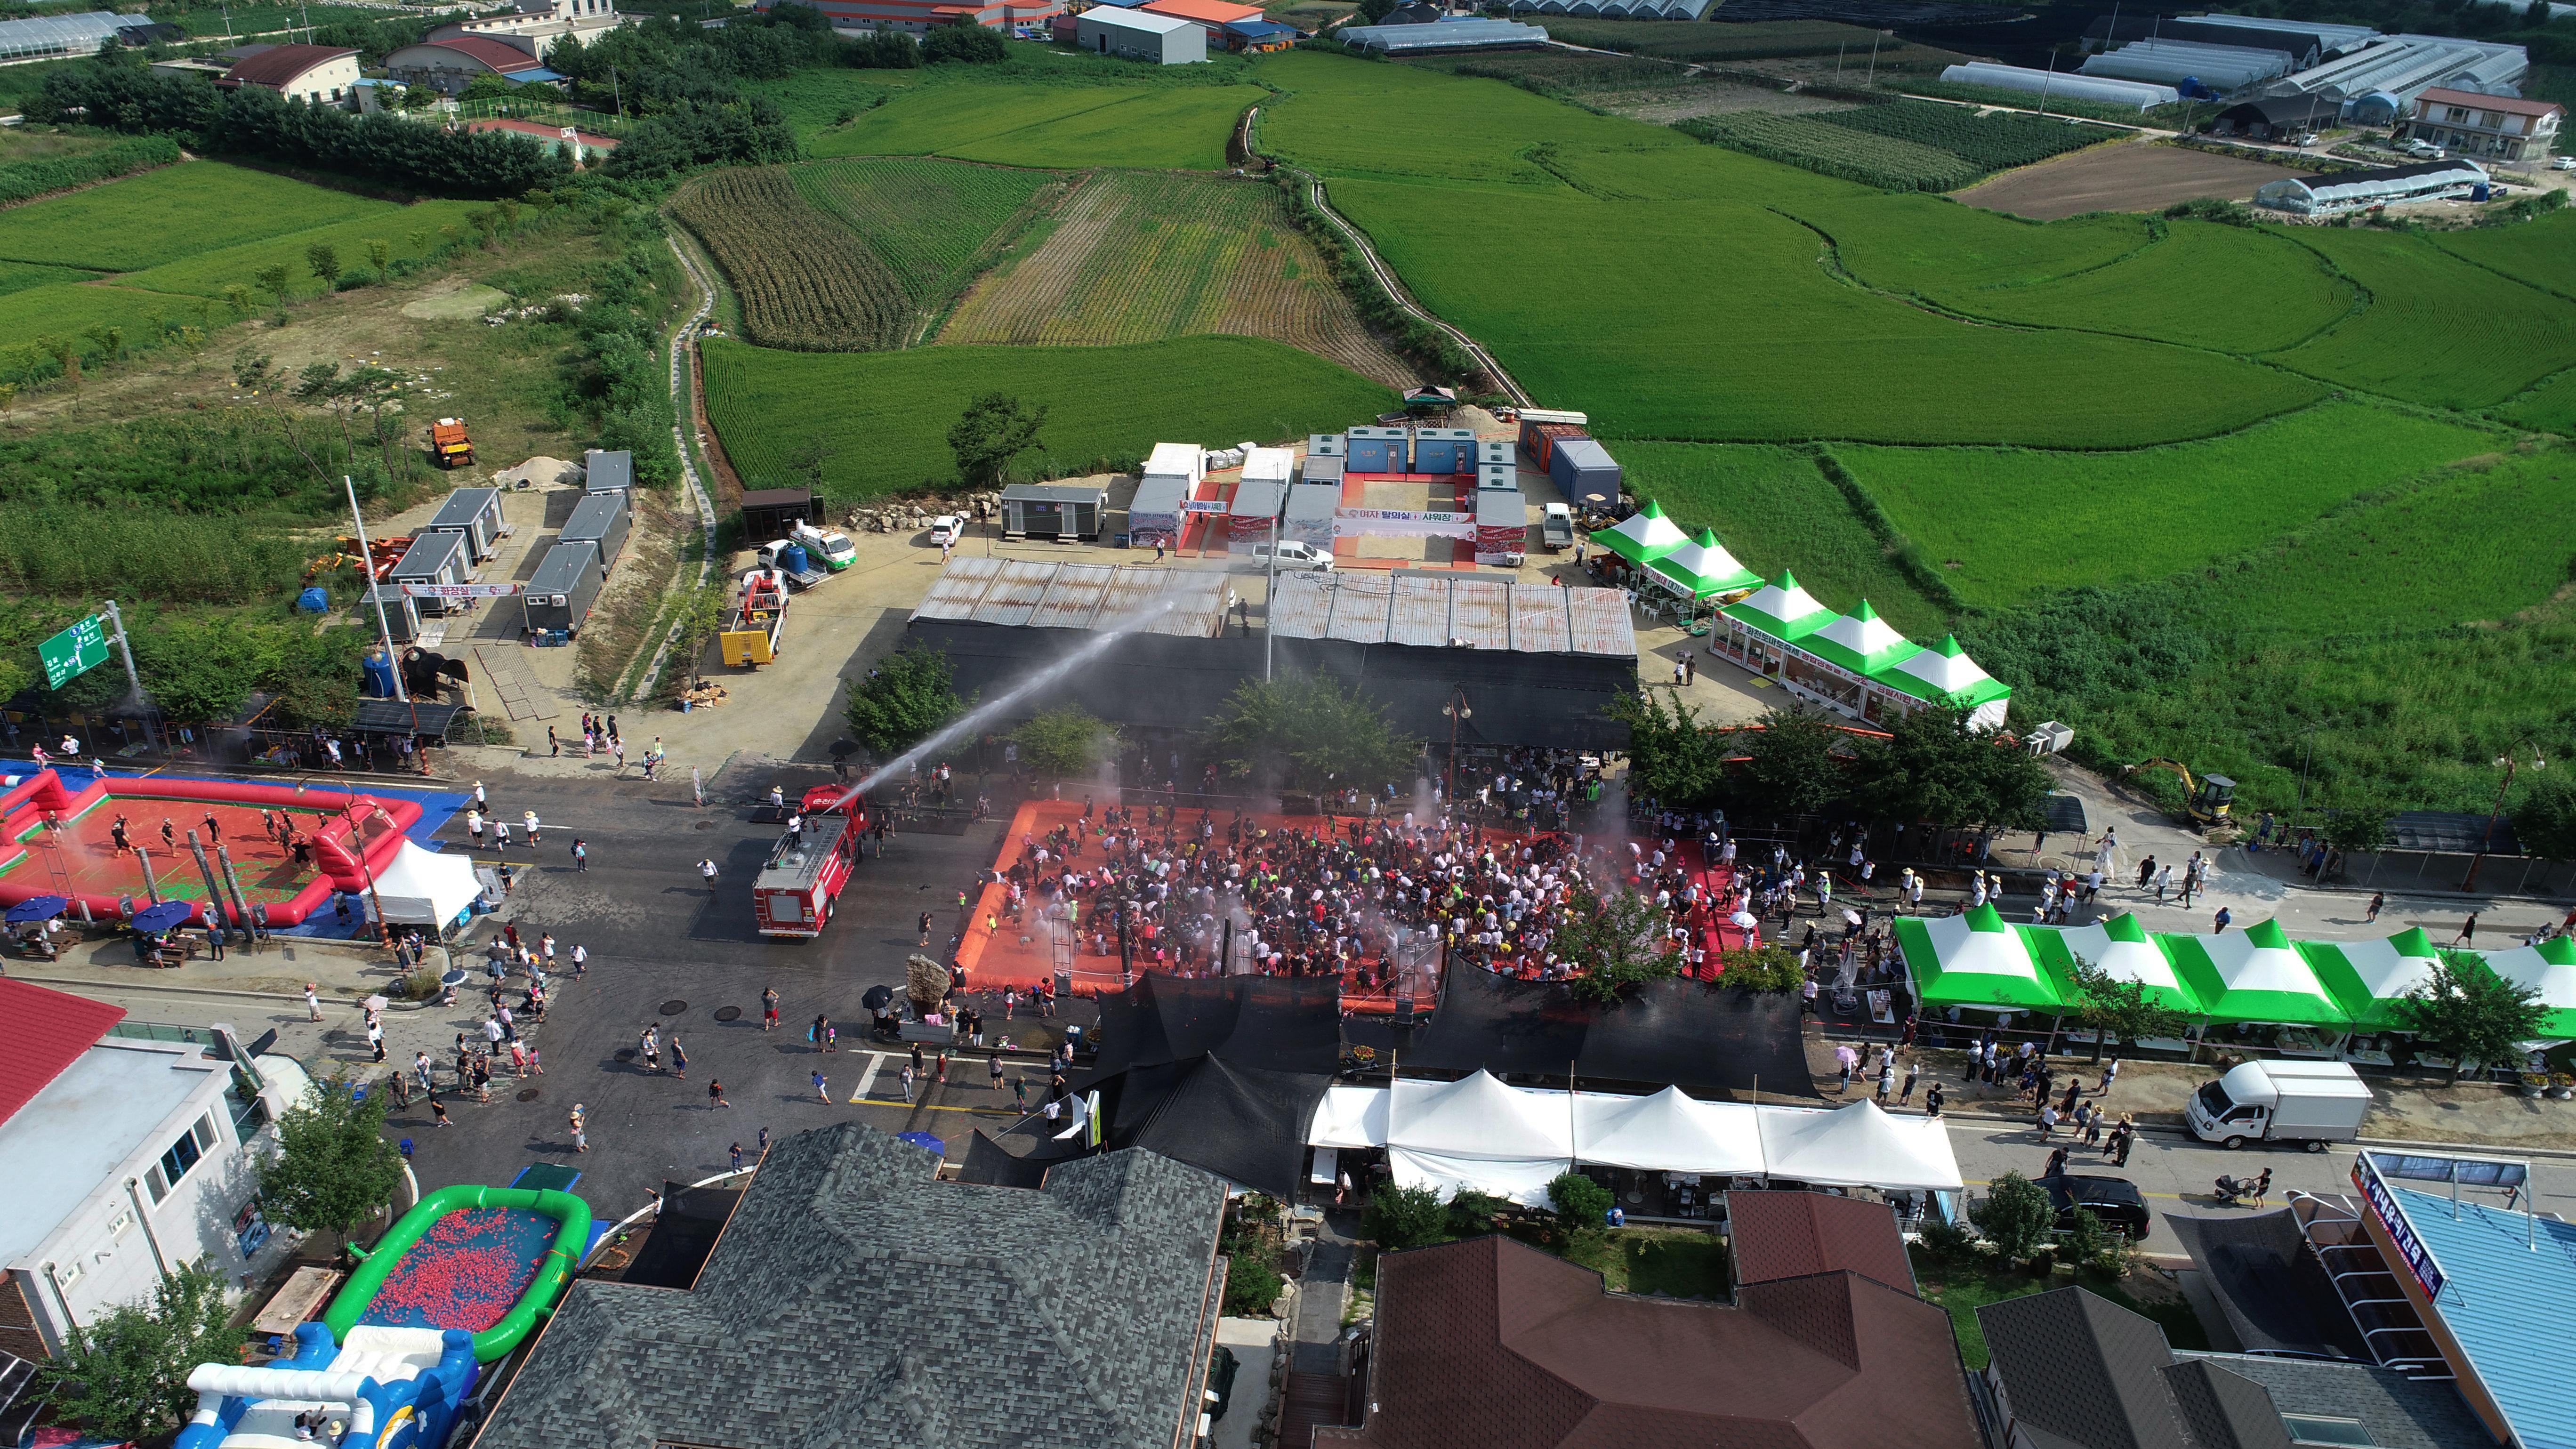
554, 1276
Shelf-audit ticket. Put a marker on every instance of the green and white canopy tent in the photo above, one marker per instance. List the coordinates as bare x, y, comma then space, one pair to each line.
2122, 950
2369, 978
1701, 567
1860, 643
1975, 959
2253, 976
1945, 672
1780, 610
1642, 536
2550, 969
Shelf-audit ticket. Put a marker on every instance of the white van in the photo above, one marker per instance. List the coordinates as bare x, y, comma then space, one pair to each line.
1295, 555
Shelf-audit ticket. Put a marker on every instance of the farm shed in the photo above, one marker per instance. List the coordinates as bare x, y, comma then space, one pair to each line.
603, 470
1255, 511
474, 513
601, 521
433, 558
1141, 35
1502, 527
1584, 471
1457, 33
2062, 83
402, 611
559, 595
1052, 510
2267, 117
1321, 470
2360, 190
1154, 515
770, 512
1310, 514
2330, 39
2219, 68
1444, 450
1380, 450
1256, 36
450, 65
60, 34
320, 75
2403, 67
2303, 47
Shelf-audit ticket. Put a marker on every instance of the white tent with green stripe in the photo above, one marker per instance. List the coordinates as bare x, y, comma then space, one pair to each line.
2549, 969
2253, 976
1944, 672
2370, 977
1973, 959
1780, 609
1860, 643
1702, 567
1642, 536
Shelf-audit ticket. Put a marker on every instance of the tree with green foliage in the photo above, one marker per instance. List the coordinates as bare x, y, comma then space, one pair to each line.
1403, 1217
695, 620
2088, 1242
2470, 1014
1307, 733
1068, 741
2118, 1010
886, 50
2355, 825
2016, 1216
380, 255
994, 429
1936, 768
332, 1168
908, 697
124, 1374
1582, 1205
273, 279
1769, 967
1472, 1213
963, 40
323, 260
1673, 759
1618, 943
2544, 817
1793, 764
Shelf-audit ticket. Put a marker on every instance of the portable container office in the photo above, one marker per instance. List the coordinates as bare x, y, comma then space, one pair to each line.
1269, 465
1584, 470
1155, 514
1502, 527
600, 520
1498, 478
1539, 440
1052, 510
558, 597
475, 513
402, 611
1185, 461
1256, 506
1325, 445
433, 558
605, 471
1444, 450
1490, 451
1311, 507
1380, 450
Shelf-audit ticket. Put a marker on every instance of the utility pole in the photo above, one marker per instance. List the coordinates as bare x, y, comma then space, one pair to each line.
367, 567
2047, 81
1873, 62
1269, 611
2508, 759
151, 712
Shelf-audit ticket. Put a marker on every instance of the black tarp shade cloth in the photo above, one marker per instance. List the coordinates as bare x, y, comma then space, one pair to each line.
684, 1233
2065, 815
1270, 1023
394, 717
2272, 1289
2452, 833
1245, 1124
990, 1164
1689, 1034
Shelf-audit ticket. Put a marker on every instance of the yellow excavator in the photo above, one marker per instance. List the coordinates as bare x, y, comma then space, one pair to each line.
2205, 800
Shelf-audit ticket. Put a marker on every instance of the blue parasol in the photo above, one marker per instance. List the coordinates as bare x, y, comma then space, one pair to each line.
42, 908
923, 1139
164, 916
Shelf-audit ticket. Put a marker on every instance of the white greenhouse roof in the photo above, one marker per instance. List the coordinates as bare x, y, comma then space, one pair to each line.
2062, 83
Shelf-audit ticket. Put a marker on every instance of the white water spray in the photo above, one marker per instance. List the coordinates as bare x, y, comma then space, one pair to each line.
973, 719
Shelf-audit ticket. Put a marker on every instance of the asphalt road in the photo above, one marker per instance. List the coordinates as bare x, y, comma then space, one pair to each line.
664, 949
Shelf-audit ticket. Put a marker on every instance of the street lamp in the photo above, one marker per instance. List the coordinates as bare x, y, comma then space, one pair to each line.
1457, 710
2508, 759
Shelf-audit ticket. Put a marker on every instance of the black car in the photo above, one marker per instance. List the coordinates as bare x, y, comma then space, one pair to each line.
2115, 1200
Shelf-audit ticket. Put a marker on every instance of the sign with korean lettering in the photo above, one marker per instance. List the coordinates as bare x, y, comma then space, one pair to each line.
73, 652
2384, 1210
461, 591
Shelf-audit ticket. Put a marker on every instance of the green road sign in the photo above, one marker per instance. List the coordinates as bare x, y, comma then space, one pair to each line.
73, 652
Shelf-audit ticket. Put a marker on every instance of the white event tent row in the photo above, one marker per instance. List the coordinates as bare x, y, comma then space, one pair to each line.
1477, 1133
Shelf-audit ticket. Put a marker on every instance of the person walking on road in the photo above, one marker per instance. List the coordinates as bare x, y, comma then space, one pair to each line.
580, 1125
2164, 882
2110, 1074
995, 1063
313, 1000
716, 1098
769, 1008
822, 1088
679, 1059
2468, 932
474, 827
1913, 1074
908, 1079
581, 855
529, 819
707, 873
2221, 920
735, 1152
2377, 900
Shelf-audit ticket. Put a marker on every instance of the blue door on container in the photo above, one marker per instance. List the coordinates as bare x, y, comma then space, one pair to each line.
1377, 455
1437, 455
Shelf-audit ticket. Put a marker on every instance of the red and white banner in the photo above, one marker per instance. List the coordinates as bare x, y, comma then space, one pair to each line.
461, 591
1397, 523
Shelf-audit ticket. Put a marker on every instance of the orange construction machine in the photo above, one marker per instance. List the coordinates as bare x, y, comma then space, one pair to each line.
447, 440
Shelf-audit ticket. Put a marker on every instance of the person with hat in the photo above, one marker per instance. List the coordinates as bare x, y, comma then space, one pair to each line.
580, 1123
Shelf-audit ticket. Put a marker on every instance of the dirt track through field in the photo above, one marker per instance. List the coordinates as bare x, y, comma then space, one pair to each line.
1136, 257
2135, 176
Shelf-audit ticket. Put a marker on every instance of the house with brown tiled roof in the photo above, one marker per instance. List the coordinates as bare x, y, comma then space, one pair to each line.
325, 75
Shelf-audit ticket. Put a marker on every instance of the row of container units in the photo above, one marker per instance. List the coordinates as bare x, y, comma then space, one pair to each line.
1584, 471
445, 557
1061, 511
1322, 470
1310, 512
1502, 527
1543, 428
1154, 515
475, 514
606, 470
401, 611
601, 520
1254, 512
559, 594
1498, 478
1409, 450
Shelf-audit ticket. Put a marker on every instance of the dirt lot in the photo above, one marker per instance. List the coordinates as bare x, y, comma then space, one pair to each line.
1706, 97
2134, 176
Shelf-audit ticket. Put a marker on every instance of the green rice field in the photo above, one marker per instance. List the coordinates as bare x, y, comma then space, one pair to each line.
935, 224
2438, 330
1047, 124
176, 211
68, 310
880, 420
2550, 407
2541, 252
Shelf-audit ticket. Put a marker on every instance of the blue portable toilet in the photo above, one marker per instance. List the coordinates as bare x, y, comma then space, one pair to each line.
314, 600
379, 675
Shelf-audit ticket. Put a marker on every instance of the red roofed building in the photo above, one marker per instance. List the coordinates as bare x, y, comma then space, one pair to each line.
452, 64
325, 75
2467, 123
1214, 14
913, 17
1499, 1345
1794, 1234
123, 1156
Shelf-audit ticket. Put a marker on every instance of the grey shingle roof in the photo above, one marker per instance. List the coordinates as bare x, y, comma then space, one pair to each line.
2084, 1368
2400, 1412
856, 1300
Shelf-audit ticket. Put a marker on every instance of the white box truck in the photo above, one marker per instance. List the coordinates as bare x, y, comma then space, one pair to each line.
2280, 1101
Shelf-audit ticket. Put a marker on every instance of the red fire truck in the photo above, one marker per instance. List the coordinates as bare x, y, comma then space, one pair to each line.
794, 894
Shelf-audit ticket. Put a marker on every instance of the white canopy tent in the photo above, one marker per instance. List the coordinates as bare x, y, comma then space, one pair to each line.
425, 888
1477, 1133
2548, 968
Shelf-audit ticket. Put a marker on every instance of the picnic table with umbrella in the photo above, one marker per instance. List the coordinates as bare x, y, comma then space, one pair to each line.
42, 908
923, 1139
152, 922
39, 938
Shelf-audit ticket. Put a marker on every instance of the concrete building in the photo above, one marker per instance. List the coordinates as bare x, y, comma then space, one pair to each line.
533, 25
450, 65
325, 75
1141, 35
2466, 123
126, 1157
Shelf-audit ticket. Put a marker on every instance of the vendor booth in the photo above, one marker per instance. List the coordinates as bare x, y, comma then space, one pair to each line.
2369, 978
1701, 568
1642, 536
2120, 948
2254, 976
426, 888
1973, 959
2549, 969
